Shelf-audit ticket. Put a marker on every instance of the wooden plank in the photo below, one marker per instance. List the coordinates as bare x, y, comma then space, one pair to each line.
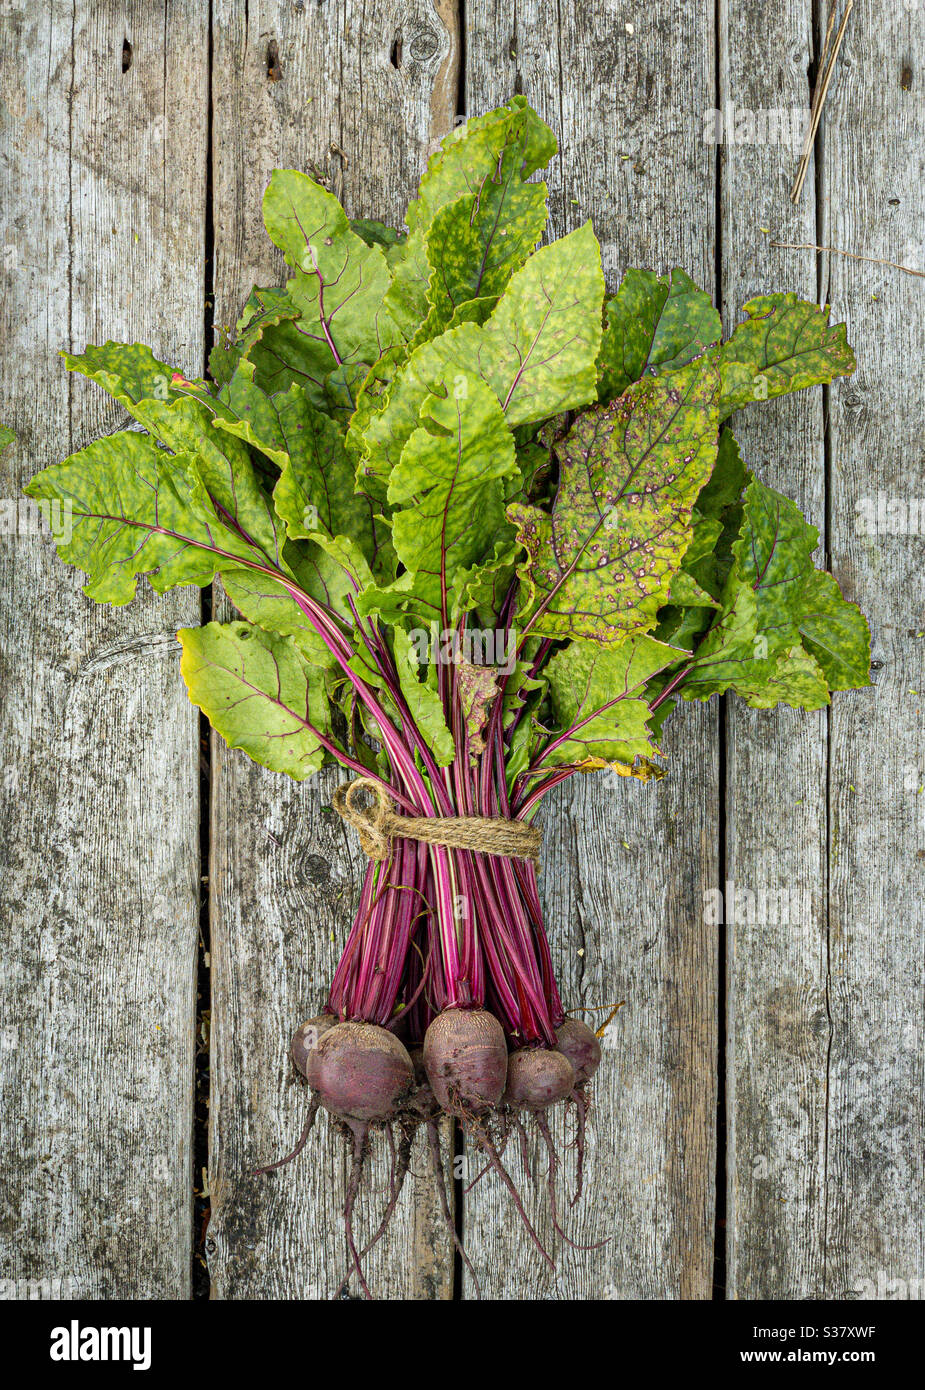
778, 1032
873, 202
285, 874
101, 229
625, 867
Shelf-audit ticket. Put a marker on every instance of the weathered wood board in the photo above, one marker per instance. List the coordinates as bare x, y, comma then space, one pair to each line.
776, 965
873, 202
625, 866
102, 204
824, 1097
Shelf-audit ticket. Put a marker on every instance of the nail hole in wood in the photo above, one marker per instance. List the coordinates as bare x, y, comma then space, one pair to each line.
274, 67
126, 55
905, 78
395, 54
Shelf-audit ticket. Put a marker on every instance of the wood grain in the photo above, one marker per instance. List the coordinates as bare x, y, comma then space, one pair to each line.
777, 1026
285, 874
101, 229
873, 202
626, 866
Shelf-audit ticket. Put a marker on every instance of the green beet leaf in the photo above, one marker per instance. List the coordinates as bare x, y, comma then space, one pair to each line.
265, 311
387, 414
683, 627
259, 693
835, 632
536, 352
471, 154
340, 281
137, 510
487, 584
478, 239
727, 480
687, 593
268, 603
474, 218
792, 677
773, 556
784, 345
774, 553
181, 413
784, 632
601, 563
544, 336
315, 488
286, 352
598, 697
448, 492
653, 322
376, 233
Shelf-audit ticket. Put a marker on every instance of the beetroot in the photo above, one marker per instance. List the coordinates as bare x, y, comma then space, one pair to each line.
360, 1072
576, 1041
305, 1040
466, 1059
537, 1078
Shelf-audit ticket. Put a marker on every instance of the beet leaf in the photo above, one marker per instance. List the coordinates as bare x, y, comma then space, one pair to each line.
601, 562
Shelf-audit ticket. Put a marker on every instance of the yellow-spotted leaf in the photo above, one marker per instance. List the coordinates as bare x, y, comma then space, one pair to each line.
259, 693
598, 698
600, 564
536, 352
785, 344
134, 509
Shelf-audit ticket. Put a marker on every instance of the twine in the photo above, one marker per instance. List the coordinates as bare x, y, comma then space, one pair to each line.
377, 824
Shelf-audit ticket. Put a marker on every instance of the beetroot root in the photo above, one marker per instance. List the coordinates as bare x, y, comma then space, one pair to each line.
465, 1055
305, 1040
360, 1072
537, 1078
576, 1041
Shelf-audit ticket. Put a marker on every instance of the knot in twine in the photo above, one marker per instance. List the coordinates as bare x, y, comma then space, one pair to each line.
378, 823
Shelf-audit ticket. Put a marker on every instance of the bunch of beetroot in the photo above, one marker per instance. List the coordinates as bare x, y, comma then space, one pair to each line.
418, 1064
485, 528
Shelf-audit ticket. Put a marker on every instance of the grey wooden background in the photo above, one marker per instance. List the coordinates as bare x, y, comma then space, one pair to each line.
759, 1113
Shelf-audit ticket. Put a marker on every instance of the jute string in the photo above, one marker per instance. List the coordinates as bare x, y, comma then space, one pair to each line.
378, 823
